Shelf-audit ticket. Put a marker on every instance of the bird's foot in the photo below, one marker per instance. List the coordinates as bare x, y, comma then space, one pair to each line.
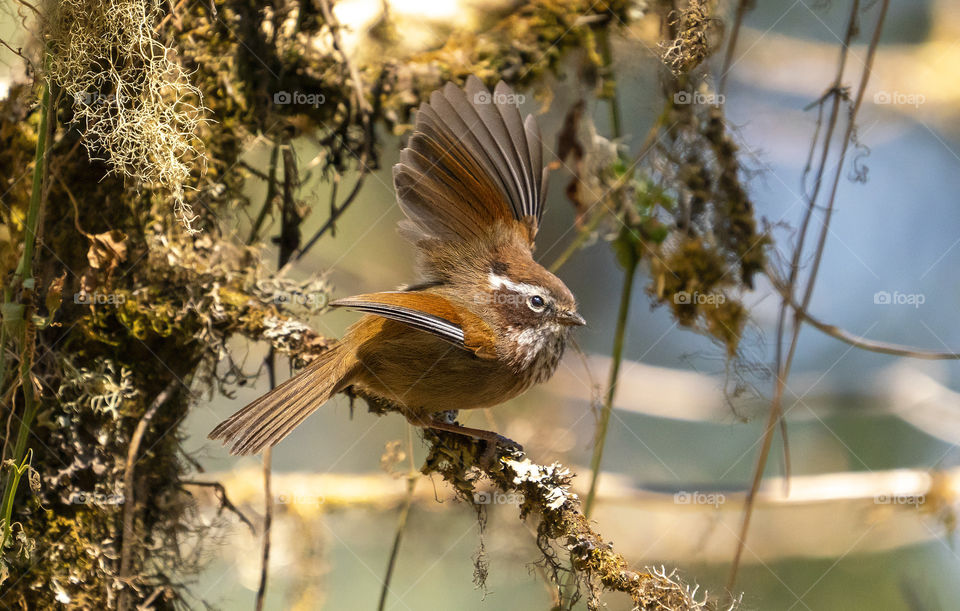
448, 417
492, 441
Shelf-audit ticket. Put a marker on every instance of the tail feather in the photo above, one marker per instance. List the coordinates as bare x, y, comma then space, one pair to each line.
266, 421
278, 424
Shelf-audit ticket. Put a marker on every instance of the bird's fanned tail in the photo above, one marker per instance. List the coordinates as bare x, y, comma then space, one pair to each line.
266, 421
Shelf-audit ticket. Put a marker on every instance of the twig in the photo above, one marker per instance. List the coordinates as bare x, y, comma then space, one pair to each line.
289, 212
289, 242
412, 477
148, 602
619, 336
334, 26
876, 346
271, 179
783, 366
857, 340
847, 137
267, 520
567, 592
225, 502
336, 211
129, 493
365, 121
255, 171
39, 15
19, 53
580, 240
742, 7
24, 269
606, 53
16, 472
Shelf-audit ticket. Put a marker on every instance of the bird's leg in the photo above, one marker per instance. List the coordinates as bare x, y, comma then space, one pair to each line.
449, 416
491, 439
488, 436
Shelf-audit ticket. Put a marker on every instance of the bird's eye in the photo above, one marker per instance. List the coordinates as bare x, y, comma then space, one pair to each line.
536, 303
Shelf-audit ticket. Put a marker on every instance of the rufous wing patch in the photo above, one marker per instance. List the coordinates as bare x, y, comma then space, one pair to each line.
430, 313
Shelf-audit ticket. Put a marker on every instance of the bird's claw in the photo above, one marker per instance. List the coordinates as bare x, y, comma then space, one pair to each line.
497, 442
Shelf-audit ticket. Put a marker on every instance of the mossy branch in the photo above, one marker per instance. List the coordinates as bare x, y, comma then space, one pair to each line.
545, 492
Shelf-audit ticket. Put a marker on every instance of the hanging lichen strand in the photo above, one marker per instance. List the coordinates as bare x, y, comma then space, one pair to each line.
132, 101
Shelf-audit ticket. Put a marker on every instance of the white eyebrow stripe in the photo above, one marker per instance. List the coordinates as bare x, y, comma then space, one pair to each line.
501, 282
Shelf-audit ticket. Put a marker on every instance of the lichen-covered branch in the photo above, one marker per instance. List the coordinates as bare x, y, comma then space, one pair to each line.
562, 528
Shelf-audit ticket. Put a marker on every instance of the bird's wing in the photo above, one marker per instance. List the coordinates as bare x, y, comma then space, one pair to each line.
430, 313
471, 162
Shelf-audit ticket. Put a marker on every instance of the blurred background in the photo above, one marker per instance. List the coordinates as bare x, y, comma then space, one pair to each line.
869, 517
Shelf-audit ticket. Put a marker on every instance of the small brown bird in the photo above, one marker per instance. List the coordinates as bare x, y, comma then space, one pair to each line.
485, 322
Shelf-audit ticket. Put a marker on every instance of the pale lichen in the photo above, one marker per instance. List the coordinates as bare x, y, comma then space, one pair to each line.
553, 480
132, 100
102, 387
544, 494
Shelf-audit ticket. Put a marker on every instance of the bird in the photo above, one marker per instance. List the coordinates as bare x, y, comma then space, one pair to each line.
484, 321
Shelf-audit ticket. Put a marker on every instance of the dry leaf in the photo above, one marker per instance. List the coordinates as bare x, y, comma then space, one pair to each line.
107, 250
55, 295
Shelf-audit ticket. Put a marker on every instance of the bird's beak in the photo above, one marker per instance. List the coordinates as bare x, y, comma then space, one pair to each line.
571, 318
